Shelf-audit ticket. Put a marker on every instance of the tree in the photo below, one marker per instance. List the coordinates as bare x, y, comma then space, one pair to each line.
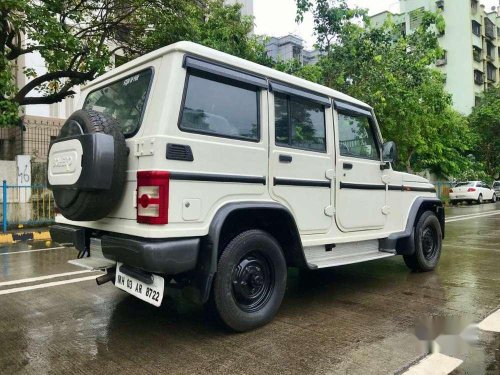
391, 71
77, 40
485, 120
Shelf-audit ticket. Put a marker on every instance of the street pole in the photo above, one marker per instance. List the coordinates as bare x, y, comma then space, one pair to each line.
4, 207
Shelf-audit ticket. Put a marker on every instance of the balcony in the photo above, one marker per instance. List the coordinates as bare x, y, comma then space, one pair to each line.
489, 28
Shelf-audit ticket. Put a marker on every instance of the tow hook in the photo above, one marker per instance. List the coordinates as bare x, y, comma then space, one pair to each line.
110, 276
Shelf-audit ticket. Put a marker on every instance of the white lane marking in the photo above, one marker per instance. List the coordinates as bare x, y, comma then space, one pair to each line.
31, 251
473, 216
434, 364
40, 278
46, 285
491, 323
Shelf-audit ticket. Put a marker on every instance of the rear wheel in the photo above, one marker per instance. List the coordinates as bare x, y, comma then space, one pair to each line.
250, 281
428, 241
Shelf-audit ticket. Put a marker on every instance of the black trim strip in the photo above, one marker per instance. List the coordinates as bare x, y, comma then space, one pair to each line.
296, 182
186, 176
237, 75
412, 188
348, 185
351, 109
290, 90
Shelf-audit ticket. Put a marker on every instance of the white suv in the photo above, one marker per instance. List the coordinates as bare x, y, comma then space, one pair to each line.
192, 167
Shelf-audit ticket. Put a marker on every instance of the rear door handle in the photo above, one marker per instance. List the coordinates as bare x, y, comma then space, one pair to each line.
347, 166
285, 159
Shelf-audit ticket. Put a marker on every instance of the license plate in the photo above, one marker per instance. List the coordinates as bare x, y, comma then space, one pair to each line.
152, 293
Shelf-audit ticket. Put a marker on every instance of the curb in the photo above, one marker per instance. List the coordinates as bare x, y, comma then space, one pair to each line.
10, 238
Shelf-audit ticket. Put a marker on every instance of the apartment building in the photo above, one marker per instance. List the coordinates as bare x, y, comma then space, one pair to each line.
291, 47
471, 44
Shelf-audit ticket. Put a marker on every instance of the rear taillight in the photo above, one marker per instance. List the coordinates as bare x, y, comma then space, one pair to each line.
152, 197
469, 190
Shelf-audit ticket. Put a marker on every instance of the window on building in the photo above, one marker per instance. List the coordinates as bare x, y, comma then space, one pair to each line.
299, 123
478, 77
477, 100
403, 29
221, 107
477, 53
489, 28
476, 28
491, 72
490, 50
473, 6
356, 137
416, 18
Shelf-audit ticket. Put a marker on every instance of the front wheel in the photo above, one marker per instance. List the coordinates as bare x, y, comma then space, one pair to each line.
494, 198
428, 241
480, 199
250, 281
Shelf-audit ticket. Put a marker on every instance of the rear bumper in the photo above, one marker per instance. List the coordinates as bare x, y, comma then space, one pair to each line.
166, 256
464, 196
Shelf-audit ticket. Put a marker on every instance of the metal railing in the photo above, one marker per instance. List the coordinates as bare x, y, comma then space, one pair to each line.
31, 205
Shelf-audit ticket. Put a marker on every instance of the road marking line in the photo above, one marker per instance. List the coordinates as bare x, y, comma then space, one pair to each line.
434, 364
46, 285
491, 323
31, 251
46, 277
452, 219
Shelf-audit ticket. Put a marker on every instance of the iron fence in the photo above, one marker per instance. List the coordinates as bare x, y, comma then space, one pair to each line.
31, 205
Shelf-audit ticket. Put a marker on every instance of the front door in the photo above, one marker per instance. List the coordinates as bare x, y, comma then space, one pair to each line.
299, 159
361, 191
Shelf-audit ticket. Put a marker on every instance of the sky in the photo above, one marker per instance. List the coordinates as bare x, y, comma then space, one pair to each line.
277, 17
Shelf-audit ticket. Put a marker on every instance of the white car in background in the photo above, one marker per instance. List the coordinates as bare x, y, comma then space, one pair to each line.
472, 191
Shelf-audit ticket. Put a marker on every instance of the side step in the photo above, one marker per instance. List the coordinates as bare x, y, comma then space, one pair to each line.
96, 260
346, 253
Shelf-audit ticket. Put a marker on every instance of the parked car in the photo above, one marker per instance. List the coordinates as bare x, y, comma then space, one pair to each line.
472, 191
193, 168
496, 188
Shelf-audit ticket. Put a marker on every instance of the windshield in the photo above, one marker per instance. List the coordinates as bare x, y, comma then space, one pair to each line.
468, 183
124, 100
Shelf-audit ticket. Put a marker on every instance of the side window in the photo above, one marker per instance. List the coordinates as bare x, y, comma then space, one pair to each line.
356, 137
299, 123
221, 107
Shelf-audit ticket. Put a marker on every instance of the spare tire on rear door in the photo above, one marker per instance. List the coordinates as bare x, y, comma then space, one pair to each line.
87, 166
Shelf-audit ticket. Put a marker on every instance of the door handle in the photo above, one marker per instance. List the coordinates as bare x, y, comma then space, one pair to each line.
285, 159
347, 166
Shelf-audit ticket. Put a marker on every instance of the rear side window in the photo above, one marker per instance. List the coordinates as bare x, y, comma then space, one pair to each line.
299, 123
356, 137
124, 100
220, 107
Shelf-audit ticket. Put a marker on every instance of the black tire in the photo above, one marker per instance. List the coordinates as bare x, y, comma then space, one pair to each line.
480, 199
78, 205
250, 282
454, 203
428, 242
494, 198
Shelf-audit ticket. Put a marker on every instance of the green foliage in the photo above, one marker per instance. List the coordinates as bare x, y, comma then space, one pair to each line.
392, 72
313, 73
485, 121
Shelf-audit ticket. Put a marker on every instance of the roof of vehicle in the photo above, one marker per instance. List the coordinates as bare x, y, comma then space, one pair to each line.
226, 59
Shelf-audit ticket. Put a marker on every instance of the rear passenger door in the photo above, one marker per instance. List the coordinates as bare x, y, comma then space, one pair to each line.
300, 159
361, 190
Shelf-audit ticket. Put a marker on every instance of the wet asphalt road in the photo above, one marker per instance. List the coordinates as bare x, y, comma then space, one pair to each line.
356, 319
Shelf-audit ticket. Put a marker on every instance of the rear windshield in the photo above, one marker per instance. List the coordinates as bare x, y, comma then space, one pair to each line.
124, 100
468, 183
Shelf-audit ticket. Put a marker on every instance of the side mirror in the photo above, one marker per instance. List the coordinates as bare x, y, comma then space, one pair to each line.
389, 152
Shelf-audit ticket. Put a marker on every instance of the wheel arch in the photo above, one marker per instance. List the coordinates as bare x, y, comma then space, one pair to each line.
403, 242
233, 218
